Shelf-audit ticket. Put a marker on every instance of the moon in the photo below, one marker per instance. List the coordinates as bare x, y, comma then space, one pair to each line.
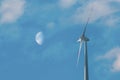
39, 38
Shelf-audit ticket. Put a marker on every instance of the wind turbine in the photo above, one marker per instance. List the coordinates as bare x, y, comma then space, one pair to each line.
83, 40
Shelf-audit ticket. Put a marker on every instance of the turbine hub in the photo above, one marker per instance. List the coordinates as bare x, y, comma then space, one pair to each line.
83, 38
86, 39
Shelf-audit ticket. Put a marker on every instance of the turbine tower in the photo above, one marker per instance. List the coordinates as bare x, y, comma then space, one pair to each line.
83, 40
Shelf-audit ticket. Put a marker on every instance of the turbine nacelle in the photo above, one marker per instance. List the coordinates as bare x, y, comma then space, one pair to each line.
82, 38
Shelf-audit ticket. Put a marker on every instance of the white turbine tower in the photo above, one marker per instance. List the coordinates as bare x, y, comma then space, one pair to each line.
83, 40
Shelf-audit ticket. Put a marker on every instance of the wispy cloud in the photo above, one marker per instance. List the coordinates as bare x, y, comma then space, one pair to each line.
11, 10
112, 21
101, 10
114, 56
67, 3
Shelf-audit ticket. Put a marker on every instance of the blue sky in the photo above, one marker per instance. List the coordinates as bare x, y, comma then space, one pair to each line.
60, 23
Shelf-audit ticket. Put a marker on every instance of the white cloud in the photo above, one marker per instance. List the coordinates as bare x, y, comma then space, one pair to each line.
116, 64
101, 9
67, 3
110, 0
11, 10
113, 55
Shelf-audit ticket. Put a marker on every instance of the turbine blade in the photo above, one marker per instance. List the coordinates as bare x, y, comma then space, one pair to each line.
78, 57
87, 21
86, 26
